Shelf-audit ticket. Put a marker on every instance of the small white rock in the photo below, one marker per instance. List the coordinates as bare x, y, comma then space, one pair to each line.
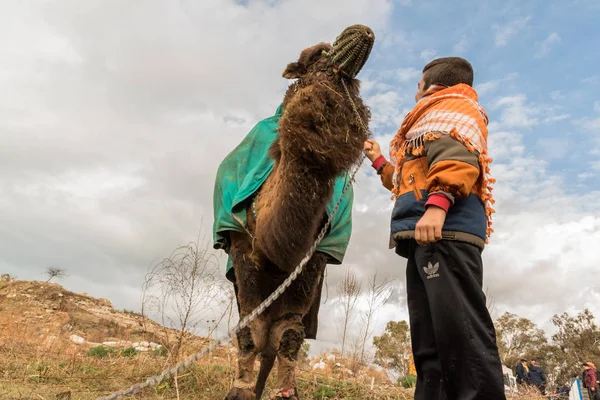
77, 339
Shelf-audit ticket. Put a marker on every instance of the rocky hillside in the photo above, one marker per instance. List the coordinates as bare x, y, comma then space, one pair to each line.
54, 342
52, 319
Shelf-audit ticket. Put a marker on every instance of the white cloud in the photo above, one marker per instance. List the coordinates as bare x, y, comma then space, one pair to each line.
505, 33
556, 118
428, 54
385, 107
461, 46
115, 117
517, 112
541, 232
553, 148
548, 44
585, 176
556, 95
405, 75
405, 3
395, 39
591, 80
590, 124
491, 86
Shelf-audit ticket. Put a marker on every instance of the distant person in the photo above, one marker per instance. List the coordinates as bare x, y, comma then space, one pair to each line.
563, 391
537, 376
590, 380
523, 373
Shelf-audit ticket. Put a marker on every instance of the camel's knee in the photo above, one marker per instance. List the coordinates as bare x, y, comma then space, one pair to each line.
287, 336
245, 343
291, 343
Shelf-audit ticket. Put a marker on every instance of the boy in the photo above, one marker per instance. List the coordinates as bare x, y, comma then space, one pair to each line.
440, 223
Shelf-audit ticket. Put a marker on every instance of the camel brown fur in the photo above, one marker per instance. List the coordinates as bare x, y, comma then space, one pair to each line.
319, 139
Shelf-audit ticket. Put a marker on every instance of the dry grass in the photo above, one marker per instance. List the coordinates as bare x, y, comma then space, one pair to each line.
38, 361
37, 375
27, 374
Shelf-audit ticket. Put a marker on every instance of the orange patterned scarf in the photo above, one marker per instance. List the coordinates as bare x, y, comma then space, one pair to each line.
452, 111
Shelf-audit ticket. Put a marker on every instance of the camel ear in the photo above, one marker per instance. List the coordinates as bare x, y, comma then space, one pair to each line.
293, 71
307, 58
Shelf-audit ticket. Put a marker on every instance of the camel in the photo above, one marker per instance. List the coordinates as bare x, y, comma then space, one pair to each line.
319, 139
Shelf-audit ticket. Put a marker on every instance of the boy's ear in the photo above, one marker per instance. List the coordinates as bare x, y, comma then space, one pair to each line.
293, 70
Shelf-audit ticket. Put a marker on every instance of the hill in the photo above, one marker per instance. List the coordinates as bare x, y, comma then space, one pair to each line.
54, 342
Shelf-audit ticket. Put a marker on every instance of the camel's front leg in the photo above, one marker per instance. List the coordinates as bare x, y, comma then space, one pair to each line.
243, 386
252, 338
287, 334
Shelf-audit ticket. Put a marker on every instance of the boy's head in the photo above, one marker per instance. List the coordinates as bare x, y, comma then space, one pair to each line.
446, 71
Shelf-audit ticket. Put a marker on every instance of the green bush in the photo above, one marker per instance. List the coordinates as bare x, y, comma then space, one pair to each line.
129, 352
408, 381
101, 352
325, 392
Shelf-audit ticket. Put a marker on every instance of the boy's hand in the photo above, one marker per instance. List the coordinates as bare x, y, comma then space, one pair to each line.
371, 149
429, 227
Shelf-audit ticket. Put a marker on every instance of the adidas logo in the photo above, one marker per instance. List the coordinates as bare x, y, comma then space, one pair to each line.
431, 270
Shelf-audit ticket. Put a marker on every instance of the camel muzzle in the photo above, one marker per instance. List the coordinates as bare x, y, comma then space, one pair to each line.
352, 48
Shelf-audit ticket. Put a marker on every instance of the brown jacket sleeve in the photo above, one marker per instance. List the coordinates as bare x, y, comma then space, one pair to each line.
453, 169
386, 174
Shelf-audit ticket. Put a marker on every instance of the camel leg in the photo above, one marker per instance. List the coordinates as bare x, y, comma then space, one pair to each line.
250, 339
287, 334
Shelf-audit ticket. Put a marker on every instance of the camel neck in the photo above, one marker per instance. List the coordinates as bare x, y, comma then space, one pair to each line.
291, 208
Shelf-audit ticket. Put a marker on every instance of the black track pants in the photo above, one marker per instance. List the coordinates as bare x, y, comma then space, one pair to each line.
453, 336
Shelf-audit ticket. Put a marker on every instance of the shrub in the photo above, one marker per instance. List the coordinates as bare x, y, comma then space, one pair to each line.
129, 352
101, 352
325, 392
408, 381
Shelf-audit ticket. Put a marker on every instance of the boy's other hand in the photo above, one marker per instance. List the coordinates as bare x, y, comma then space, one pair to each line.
429, 227
371, 149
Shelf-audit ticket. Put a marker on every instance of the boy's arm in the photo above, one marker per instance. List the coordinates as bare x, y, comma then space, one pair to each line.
373, 152
385, 170
453, 171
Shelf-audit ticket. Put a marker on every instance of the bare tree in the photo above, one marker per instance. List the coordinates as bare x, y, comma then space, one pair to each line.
490, 303
53, 272
348, 291
184, 290
379, 293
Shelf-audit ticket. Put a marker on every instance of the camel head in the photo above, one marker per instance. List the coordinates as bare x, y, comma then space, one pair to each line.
346, 57
319, 124
324, 62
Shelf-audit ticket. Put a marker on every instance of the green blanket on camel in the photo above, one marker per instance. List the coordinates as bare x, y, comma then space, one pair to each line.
243, 172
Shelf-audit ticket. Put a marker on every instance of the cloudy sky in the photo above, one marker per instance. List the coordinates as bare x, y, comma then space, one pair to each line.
115, 115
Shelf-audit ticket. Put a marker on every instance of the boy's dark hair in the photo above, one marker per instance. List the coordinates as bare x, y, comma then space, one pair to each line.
448, 71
